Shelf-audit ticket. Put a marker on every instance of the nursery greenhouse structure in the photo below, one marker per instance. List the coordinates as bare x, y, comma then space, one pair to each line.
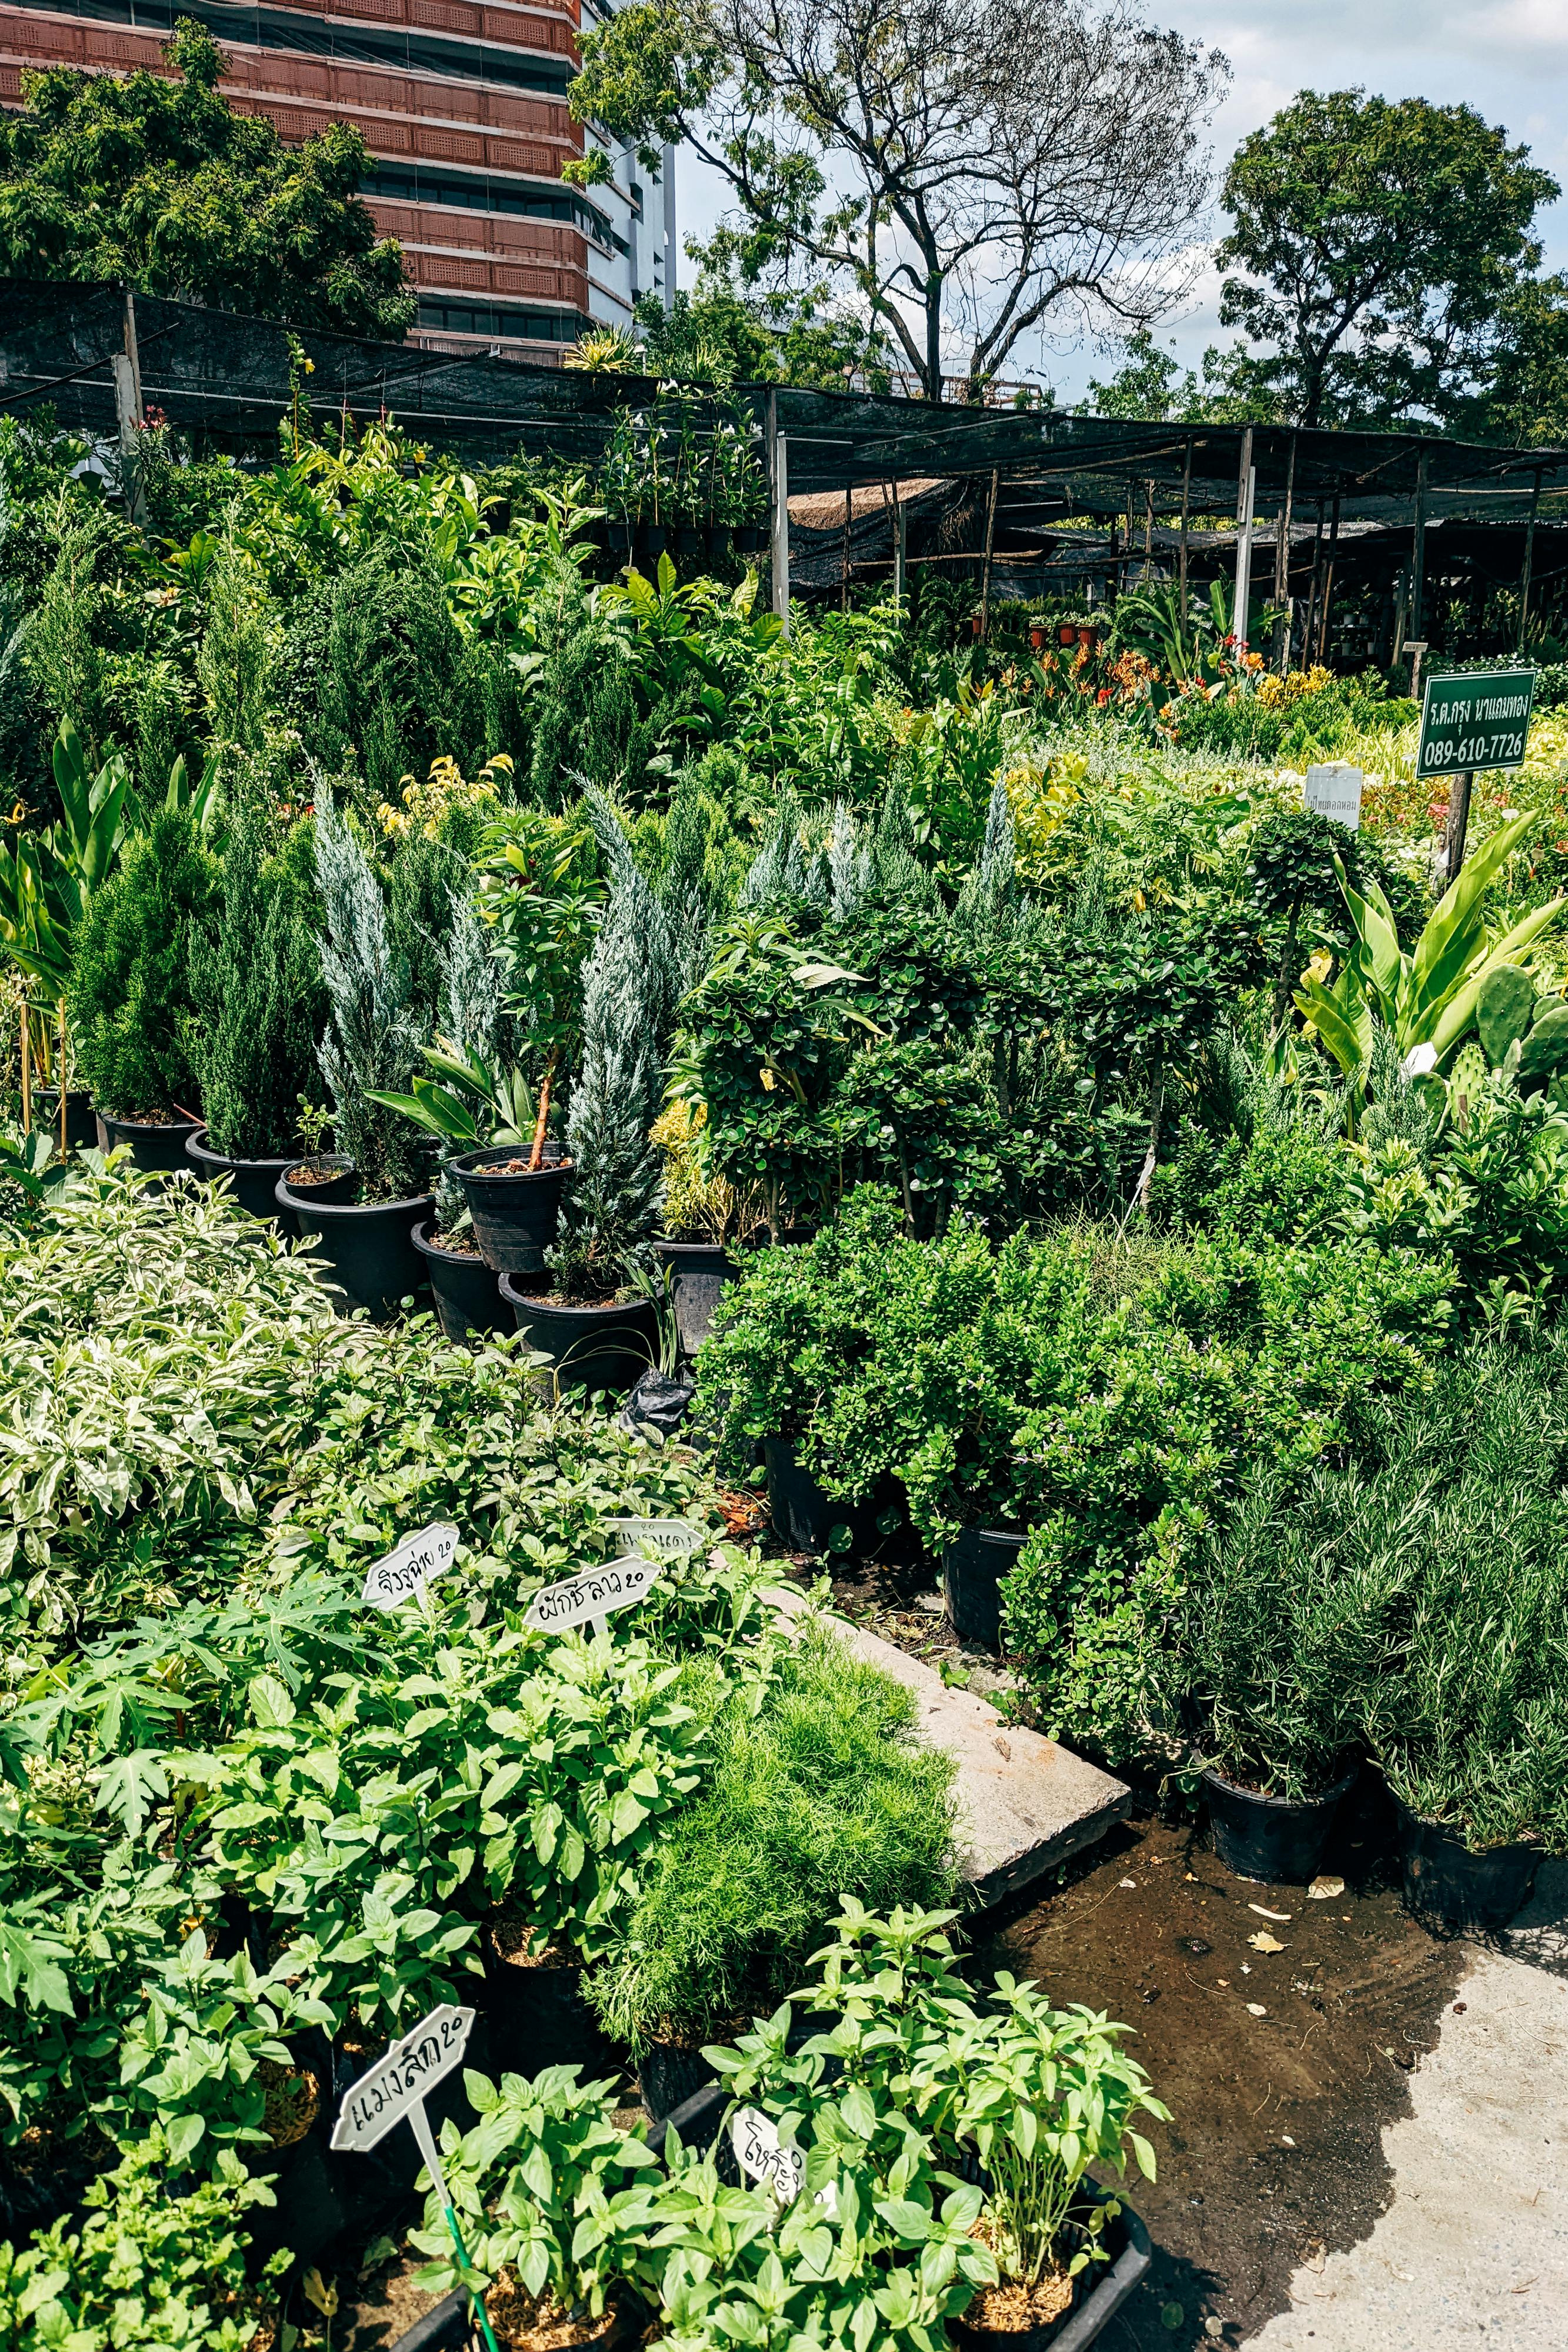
784, 1181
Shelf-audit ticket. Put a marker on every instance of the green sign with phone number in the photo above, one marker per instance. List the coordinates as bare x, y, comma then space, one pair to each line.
1478, 720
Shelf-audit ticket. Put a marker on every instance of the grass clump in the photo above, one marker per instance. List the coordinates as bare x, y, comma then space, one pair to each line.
818, 1792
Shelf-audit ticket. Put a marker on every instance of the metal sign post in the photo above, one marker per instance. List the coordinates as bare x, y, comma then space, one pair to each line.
393, 2091
1480, 719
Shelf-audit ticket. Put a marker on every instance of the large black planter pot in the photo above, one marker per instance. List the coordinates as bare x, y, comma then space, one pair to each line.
650, 539
255, 1182
803, 1515
669, 2073
515, 1213
1449, 1887
971, 1570
698, 1273
155, 1146
591, 1347
1126, 2242
1275, 1840
467, 1292
368, 1247
81, 1126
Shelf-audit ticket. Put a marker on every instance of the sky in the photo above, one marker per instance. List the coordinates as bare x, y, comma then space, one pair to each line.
1509, 59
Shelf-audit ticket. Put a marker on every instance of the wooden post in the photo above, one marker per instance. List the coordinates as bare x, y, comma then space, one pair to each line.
990, 542
1182, 556
27, 1072
901, 550
1457, 825
1418, 552
778, 474
1528, 560
848, 517
1148, 528
1114, 575
1247, 490
1308, 636
63, 1076
1329, 582
1283, 557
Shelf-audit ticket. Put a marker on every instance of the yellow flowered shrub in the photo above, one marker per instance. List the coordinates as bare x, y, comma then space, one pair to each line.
446, 788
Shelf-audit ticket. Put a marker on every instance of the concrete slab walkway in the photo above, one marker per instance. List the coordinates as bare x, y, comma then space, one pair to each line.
1472, 2249
1025, 1804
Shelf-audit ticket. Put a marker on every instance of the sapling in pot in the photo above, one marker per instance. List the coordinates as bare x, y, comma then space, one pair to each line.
618, 1175
130, 999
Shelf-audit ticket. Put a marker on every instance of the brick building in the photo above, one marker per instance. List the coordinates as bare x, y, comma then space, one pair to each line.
463, 105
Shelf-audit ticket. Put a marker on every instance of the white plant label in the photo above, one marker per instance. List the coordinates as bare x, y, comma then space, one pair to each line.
755, 2141
592, 1596
673, 1538
395, 2087
407, 1569
1333, 789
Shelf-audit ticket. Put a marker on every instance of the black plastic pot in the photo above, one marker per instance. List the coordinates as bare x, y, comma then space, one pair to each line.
466, 1290
367, 1246
446, 2327
698, 1273
688, 539
1126, 2242
1448, 1885
81, 1126
748, 538
255, 1182
650, 538
718, 540
589, 1347
1277, 1840
335, 1177
515, 1215
803, 1515
538, 2017
670, 2075
973, 1567
155, 1145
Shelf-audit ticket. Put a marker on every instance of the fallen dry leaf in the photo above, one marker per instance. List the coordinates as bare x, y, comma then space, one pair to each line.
1256, 2009
1264, 1942
1324, 1890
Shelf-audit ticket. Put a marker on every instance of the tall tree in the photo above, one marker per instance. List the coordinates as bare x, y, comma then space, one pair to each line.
1377, 242
973, 172
151, 178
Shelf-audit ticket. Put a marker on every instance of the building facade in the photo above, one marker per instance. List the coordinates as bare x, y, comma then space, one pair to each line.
463, 106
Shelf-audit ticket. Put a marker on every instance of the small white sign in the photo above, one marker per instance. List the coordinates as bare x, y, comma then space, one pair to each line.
594, 1595
397, 2084
672, 1537
1333, 789
411, 1567
755, 2141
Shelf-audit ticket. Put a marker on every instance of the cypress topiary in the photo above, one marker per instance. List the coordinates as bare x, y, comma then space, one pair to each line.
130, 1001
260, 1004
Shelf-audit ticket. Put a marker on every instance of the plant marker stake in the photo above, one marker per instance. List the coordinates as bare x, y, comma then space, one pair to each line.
593, 1597
419, 2123
393, 2091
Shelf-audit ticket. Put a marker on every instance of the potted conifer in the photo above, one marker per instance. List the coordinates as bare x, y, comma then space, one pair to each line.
600, 1330
257, 981
128, 999
371, 1048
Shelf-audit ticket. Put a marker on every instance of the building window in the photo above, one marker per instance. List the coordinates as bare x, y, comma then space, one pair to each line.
441, 316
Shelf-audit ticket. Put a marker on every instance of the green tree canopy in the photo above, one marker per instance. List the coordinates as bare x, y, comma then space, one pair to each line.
1377, 243
151, 178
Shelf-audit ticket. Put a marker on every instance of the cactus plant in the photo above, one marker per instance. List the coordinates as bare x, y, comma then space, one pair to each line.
1545, 1049
1466, 1080
1505, 1006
